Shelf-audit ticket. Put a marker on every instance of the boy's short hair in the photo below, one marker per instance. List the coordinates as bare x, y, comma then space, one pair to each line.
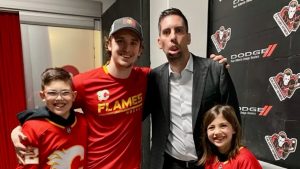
56, 73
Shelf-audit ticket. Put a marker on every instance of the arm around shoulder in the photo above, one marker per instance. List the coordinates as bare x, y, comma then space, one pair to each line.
228, 92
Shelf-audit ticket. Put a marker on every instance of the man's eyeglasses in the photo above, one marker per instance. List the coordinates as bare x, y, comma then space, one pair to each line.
54, 93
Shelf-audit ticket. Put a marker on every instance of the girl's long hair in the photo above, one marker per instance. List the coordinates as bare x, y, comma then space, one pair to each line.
210, 149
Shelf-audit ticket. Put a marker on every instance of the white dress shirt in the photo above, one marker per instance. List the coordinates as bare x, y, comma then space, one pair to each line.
180, 144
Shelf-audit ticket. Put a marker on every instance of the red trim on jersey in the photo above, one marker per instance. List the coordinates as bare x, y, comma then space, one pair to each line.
57, 146
244, 160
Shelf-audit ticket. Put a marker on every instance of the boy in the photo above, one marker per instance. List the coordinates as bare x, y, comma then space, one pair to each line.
55, 130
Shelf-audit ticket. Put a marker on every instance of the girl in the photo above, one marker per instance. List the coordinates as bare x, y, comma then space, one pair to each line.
222, 141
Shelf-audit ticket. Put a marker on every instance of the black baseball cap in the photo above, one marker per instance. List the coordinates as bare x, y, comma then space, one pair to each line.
126, 23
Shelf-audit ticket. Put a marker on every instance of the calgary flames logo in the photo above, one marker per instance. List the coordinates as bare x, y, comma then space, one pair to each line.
103, 95
67, 159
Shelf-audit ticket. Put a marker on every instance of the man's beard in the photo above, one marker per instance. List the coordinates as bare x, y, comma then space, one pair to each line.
174, 58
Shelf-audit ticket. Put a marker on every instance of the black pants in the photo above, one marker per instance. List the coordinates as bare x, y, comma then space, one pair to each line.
172, 163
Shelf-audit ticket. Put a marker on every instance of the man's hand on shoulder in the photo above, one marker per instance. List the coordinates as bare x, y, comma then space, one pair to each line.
220, 59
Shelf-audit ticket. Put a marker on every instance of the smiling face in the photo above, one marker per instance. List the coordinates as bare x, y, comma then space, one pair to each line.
58, 97
125, 47
220, 133
174, 37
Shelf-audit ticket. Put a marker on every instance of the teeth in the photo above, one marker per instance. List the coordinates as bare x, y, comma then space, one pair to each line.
124, 55
59, 105
219, 140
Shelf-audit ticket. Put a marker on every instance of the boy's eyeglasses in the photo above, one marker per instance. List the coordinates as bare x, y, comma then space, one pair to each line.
54, 93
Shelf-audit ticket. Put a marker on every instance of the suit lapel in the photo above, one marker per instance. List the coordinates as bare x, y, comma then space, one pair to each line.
164, 90
199, 76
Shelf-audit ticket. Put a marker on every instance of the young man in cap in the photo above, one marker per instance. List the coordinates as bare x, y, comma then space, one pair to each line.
112, 99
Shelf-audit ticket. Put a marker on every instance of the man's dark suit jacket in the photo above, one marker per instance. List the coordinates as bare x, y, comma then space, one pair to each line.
211, 85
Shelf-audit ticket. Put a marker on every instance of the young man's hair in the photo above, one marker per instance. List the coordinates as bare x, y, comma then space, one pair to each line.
53, 74
108, 52
172, 11
210, 149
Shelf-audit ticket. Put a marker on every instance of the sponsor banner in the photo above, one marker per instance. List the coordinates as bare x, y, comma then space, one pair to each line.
288, 19
294, 44
255, 47
253, 54
280, 145
255, 110
285, 83
243, 18
221, 37
253, 86
239, 3
265, 70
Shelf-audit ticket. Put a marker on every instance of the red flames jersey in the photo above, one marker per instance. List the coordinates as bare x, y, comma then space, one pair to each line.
113, 108
244, 160
57, 146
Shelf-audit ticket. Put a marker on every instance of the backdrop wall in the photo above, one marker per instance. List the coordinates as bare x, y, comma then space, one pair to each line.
261, 42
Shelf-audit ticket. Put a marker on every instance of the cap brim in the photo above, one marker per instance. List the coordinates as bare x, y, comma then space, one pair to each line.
128, 28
